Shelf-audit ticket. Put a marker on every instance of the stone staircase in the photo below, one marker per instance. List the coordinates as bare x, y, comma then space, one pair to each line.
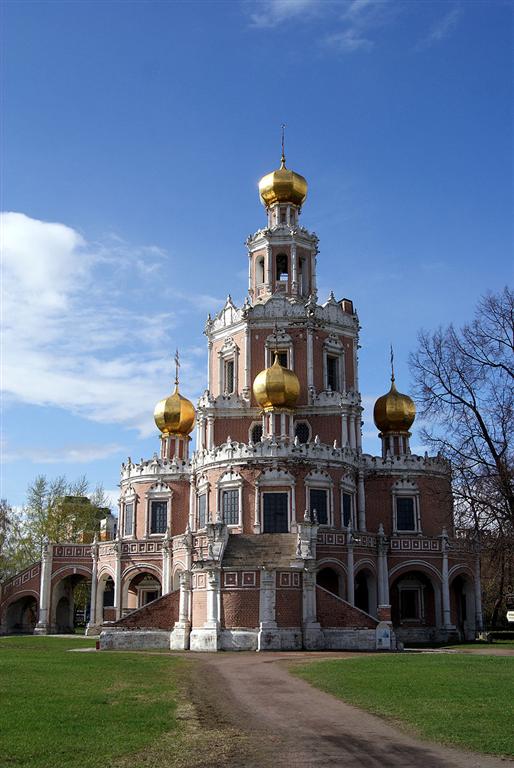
271, 550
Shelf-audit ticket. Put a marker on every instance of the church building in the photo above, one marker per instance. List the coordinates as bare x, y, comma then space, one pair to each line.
277, 531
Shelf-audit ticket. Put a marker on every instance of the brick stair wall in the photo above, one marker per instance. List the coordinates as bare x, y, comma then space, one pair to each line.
334, 612
159, 614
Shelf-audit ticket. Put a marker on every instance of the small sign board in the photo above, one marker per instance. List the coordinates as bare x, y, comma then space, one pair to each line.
510, 616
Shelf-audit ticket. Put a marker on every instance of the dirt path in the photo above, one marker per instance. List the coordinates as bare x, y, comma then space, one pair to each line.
292, 724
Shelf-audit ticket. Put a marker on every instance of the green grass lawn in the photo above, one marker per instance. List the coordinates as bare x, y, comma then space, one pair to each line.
464, 700
80, 709
508, 644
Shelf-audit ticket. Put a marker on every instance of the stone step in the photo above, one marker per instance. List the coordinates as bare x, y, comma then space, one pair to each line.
269, 549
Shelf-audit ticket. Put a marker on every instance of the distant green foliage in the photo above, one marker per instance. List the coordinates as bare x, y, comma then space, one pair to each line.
456, 699
55, 510
80, 710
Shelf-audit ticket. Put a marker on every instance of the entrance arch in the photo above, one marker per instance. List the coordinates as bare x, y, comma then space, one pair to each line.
70, 601
20, 616
415, 606
462, 605
331, 579
141, 588
366, 591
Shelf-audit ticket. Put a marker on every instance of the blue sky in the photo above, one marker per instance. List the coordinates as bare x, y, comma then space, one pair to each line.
134, 135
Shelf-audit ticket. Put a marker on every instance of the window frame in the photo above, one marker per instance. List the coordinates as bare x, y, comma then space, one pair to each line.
325, 490
153, 501
230, 482
318, 481
406, 489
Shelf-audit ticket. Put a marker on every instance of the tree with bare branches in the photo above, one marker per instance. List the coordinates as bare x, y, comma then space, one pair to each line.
464, 386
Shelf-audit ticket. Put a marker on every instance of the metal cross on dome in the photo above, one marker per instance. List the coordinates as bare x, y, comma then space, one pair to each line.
392, 363
177, 366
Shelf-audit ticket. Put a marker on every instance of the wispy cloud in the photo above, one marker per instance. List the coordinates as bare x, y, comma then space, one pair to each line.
271, 13
442, 28
81, 327
348, 41
76, 454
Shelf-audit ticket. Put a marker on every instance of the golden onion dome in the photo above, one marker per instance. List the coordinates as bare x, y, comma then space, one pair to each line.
283, 186
175, 415
276, 387
394, 412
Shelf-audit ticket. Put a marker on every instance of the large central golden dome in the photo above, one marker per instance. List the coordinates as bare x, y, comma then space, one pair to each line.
394, 412
175, 415
283, 186
276, 387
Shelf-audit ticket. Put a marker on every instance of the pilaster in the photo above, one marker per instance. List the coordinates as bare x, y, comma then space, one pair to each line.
43, 626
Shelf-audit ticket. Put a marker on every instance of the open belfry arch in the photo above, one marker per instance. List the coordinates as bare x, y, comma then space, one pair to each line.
277, 531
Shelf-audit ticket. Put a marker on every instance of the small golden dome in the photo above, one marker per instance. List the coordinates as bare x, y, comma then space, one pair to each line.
283, 186
276, 387
394, 412
175, 415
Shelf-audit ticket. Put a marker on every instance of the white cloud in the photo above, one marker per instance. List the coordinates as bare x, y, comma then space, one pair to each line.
78, 330
349, 40
271, 13
442, 28
77, 454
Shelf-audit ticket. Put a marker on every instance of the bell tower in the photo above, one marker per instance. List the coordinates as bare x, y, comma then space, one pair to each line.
282, 257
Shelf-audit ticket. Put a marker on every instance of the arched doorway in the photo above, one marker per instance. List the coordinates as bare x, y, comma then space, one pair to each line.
366, 591
70, 603
141, 589
415, 607
328, 578
20, 616
462, 606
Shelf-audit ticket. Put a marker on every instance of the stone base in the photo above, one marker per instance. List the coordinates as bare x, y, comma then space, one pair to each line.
279, 640
204, 639
349, 639
239, 640
92, 630
179, 637
313, 639
385, 637
133, 639
409, 635
43, 629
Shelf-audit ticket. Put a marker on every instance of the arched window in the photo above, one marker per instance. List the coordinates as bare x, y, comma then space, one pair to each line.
282, 268
302, 431
260, 270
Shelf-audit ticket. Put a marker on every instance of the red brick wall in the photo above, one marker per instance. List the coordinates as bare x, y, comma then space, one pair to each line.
159, 614
289, 607
240, 609
333, 612
434, 500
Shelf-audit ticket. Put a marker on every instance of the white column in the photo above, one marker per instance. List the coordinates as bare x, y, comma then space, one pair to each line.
445, 586
256, 517
192, 500
283, 425
310, 366
250, 273
184, 599
213, 581
267, 600
117, 580
383, 575
350, 585
344, 429
209, 366
352, 432
210, 431
361, 501
94, 584
294, 269
309, 598
248, 358
166, 567
314, 289
269, 269
358, 440
43, 625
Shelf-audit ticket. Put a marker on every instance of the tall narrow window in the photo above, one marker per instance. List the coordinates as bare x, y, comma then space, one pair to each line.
410, 609
332, 373
230, 506
405, 517
256, 433
229, 376
129, 519
318, 502
347, 509
282, 359
282, 271
158, 515
202, 510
